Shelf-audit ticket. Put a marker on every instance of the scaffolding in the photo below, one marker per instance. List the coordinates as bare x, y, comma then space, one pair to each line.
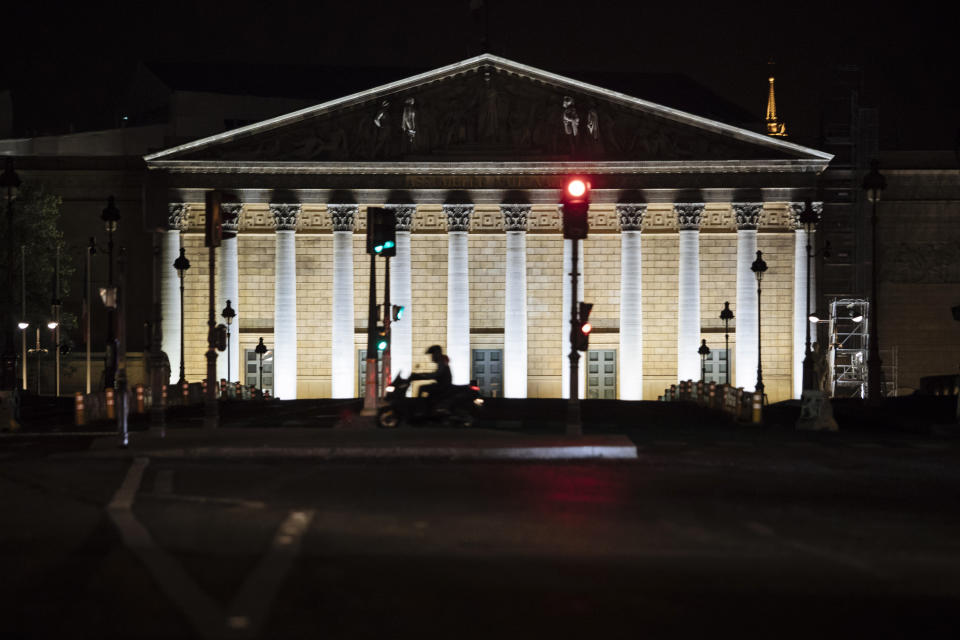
849, 349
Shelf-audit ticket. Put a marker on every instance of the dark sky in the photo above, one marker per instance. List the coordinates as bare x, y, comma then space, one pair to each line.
909, 55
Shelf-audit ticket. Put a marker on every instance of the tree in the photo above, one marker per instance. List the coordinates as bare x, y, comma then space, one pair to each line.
37, 233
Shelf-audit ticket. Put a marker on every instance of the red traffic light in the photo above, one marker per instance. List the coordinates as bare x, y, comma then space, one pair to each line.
577, 188
586, 328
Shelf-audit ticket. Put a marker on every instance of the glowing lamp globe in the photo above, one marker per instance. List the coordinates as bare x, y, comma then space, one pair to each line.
576, 188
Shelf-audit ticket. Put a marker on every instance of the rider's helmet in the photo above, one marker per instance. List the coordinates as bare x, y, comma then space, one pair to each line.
434, 349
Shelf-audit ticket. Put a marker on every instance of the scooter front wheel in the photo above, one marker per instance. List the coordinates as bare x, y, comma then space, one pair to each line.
388, 418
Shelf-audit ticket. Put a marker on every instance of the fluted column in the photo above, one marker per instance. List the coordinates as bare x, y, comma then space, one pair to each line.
343, 360
745, 361
285, 302
800, 291
566, 296
170, 287
631, 301
401, 332
228, 288
458, 290
515, 301
688, 310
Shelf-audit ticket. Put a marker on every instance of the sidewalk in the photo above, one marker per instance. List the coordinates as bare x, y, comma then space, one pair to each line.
358, 444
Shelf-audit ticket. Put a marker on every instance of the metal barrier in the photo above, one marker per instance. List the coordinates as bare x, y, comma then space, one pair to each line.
742, 406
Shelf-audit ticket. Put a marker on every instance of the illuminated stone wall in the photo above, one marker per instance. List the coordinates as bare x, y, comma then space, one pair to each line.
487, 246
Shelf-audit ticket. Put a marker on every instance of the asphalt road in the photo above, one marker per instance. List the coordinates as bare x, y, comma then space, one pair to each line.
779, 540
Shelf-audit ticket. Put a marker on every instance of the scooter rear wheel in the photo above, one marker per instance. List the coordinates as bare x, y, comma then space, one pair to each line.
388, 418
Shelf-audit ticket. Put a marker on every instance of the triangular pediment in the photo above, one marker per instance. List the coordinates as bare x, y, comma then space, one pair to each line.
487, 109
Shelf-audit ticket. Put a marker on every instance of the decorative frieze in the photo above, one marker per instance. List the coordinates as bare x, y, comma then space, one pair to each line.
231, 212
631, 216
515, 216
177, 214
747, 214
404, 215
343, 216
458, 216
284, 216
688, 215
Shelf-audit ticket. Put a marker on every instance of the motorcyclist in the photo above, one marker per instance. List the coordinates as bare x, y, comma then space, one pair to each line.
442, 376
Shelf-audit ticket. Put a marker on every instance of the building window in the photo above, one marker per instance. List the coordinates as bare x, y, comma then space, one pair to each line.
252, 369
716, 366
488, 371
602, 374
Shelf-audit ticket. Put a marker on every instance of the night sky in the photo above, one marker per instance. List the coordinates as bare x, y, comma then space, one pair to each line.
909, 55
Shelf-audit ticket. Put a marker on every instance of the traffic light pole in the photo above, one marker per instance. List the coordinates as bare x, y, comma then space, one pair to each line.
370, 391
387, 317
574, 426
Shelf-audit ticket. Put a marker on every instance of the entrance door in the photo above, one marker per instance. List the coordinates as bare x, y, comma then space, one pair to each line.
252, 369
602, 374
716, 366
488, 371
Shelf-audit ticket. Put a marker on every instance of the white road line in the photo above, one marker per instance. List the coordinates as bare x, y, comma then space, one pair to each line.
123, 498
227, 502
249, 609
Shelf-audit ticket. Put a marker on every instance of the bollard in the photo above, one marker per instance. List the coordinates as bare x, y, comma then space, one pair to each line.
186, 393
111, 409
757, 408
699, 391
673, 392
712, 395
141, 401
79, 417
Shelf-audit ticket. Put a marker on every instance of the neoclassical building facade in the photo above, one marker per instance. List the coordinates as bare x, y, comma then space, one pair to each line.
471, 158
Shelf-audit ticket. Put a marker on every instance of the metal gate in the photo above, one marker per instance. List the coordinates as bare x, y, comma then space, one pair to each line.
602, 374
488, 371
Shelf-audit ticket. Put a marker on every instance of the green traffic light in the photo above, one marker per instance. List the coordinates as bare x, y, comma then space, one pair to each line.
381, 344
388, 244
378, 248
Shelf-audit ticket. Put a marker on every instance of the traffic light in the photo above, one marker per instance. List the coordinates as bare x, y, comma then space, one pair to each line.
382, 341
576, 203
398, 312
582, 334
381, 232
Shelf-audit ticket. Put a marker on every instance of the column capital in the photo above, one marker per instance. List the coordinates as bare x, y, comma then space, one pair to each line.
631, 216
458, 216
343, 216
796, 210
688, 215
177, 214
747, 214
285, 216
515, 216
231, 216
403, 214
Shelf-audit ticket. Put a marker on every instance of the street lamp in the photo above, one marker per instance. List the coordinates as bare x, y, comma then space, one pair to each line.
809, 220
759, 267
9, 181
260, 350
22, 325
39, 352
111, 217
726, 315
704, 351
228, 314
874, 184
181, 264
52, 325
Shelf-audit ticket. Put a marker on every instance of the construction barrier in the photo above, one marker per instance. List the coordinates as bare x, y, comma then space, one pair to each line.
742, 406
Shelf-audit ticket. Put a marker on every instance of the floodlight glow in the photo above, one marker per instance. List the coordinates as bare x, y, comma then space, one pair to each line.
576, 188
23, 325
857, 318
814, 319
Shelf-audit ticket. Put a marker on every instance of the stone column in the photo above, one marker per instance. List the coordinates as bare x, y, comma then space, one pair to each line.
566, 345
800, 320
631, 301
745, 361
401, 332
228, 288
170, 287
285, 302
688, 309
343, 357
515, 301
458, 290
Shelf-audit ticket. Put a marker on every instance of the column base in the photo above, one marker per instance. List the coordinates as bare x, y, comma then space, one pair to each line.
816, 412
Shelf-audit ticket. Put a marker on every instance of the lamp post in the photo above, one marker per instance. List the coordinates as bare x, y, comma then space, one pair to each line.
228, 313
38, 351
55, 306
809, 220
260, 350
704, 351
53, 325
874, 183
759, 267
23, 324
726, 315
111, 217
10, 182
181, 264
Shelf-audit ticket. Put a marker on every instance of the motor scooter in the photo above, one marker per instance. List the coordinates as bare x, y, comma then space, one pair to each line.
459, 408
